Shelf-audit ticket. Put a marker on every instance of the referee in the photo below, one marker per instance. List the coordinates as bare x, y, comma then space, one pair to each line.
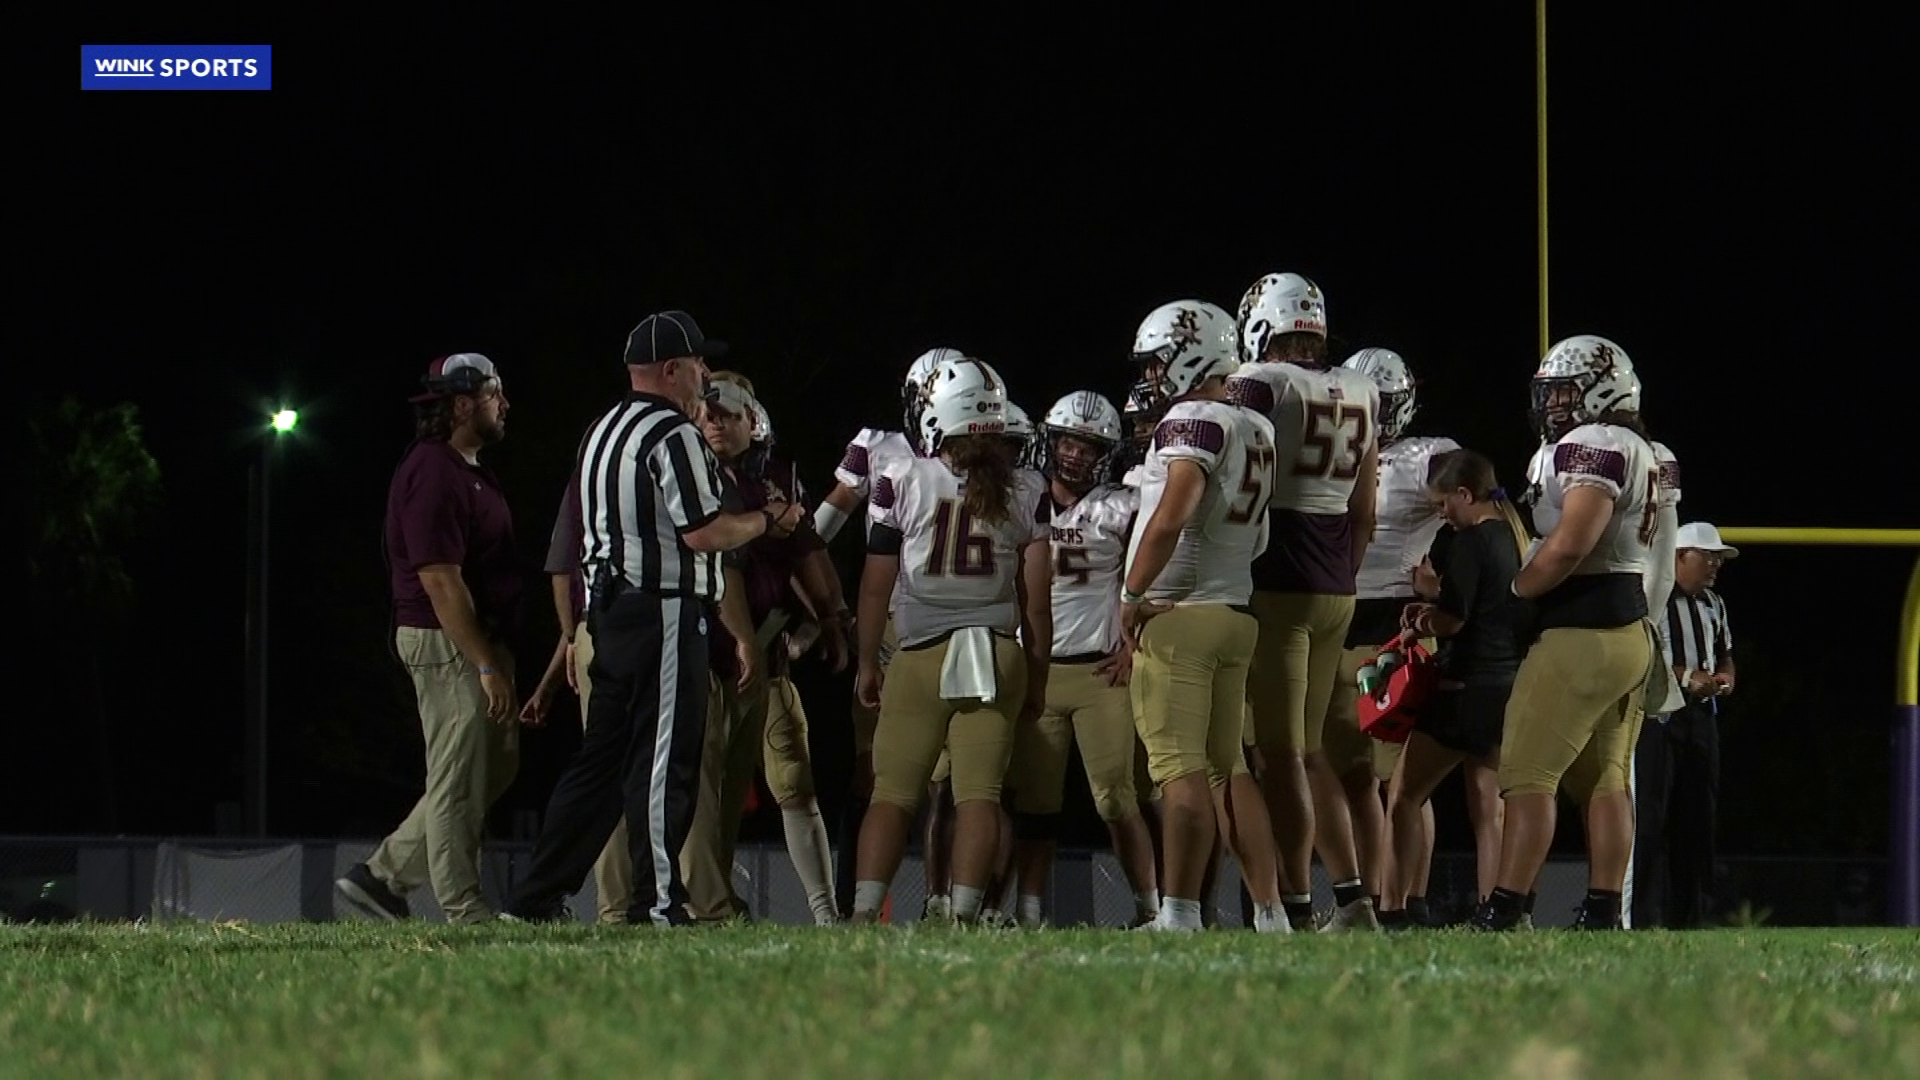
1677, 761
650, 499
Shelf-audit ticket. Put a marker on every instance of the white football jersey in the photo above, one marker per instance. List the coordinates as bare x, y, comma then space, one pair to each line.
1619, 463
1212, 563
1405, 521
1134, 476
1660, 568
954, 571
1323, 424
1089, 551
867, 456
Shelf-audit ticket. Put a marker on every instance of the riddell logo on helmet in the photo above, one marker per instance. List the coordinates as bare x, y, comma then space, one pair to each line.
990, 427
1305, 324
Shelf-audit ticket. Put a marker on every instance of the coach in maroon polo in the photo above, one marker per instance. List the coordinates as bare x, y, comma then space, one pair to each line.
456, 584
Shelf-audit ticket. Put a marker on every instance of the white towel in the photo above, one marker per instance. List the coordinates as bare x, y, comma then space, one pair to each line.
968, 674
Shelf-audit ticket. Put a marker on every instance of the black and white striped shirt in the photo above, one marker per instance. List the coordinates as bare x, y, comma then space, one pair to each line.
647, 478
1698, 636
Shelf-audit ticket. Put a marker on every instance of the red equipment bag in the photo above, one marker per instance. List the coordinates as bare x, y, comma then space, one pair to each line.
1393, 687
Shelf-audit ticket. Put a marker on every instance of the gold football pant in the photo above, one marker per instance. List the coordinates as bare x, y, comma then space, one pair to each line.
916, 723
1574, 713
1080, 707
1189, 690
471, 760
786, 756
1346, 747
1295, 666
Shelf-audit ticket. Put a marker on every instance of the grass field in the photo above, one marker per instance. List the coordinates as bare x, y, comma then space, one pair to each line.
363, 1000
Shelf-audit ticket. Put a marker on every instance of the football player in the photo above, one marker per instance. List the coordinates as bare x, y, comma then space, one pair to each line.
963, 537
1659, 583
1405, 525
1324, 421
870, 451
1087, 697
1579, 695
938, 838
1183, 609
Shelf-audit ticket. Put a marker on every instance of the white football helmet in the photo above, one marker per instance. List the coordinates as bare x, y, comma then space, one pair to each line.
1085, 415
762, 424
964, 396
1188, 342
913, 389
1020, 430
1394, 380
1582, 378
1279, 304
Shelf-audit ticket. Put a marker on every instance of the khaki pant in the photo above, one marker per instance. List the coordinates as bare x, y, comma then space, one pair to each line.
1189, 691
735, 737
1347, 748
1295, 664
471, 761
787, 757
1080, 707
1575, 713
613, 871
916, 723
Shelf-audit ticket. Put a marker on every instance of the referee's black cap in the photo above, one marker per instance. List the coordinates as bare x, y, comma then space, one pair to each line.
670, 335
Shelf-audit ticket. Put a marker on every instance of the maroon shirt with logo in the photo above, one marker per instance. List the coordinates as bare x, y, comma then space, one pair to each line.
440, 509
766, 563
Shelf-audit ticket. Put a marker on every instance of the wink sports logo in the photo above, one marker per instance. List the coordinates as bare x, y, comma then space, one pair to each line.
176, 67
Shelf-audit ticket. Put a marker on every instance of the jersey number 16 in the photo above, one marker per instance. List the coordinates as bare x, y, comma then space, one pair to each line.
957, 549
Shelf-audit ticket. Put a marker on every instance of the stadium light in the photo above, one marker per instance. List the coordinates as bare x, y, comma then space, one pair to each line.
281, 422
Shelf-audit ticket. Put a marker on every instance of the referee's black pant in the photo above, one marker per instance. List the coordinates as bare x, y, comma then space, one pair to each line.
639, 754
1676, 806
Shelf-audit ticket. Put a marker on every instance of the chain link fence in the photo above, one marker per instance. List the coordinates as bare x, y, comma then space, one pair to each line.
61, 879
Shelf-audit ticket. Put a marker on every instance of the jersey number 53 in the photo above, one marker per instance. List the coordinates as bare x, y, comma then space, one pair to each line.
1334, 440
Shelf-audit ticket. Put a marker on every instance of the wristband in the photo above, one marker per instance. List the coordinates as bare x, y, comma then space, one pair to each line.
1514, 587
489, 669
1128, 596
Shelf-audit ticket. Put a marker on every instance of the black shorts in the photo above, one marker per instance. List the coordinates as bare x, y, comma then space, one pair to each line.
1467, 721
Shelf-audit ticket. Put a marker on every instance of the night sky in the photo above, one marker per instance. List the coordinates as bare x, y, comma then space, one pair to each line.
1723, 199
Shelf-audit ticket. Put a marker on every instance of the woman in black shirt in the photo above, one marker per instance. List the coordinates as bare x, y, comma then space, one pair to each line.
1477, 620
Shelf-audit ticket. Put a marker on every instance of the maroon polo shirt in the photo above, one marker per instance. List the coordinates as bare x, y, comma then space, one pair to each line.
440, 509
766, 563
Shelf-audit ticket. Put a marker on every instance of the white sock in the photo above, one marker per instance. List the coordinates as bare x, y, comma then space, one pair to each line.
868, 896
1180, 914
1271, 919
966, 902
1029, 911
1147, 903
812, 855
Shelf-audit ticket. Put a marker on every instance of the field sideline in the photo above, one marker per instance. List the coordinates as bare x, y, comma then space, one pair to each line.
363, 1000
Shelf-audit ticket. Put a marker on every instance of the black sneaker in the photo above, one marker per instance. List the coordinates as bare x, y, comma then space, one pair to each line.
1487, 918
370, 896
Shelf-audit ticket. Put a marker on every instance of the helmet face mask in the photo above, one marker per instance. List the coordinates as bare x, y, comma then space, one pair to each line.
1581, 379
1394, 381
1181, 345
1080, 440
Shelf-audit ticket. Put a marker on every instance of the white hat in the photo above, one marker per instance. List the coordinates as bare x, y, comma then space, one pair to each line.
1701, 536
